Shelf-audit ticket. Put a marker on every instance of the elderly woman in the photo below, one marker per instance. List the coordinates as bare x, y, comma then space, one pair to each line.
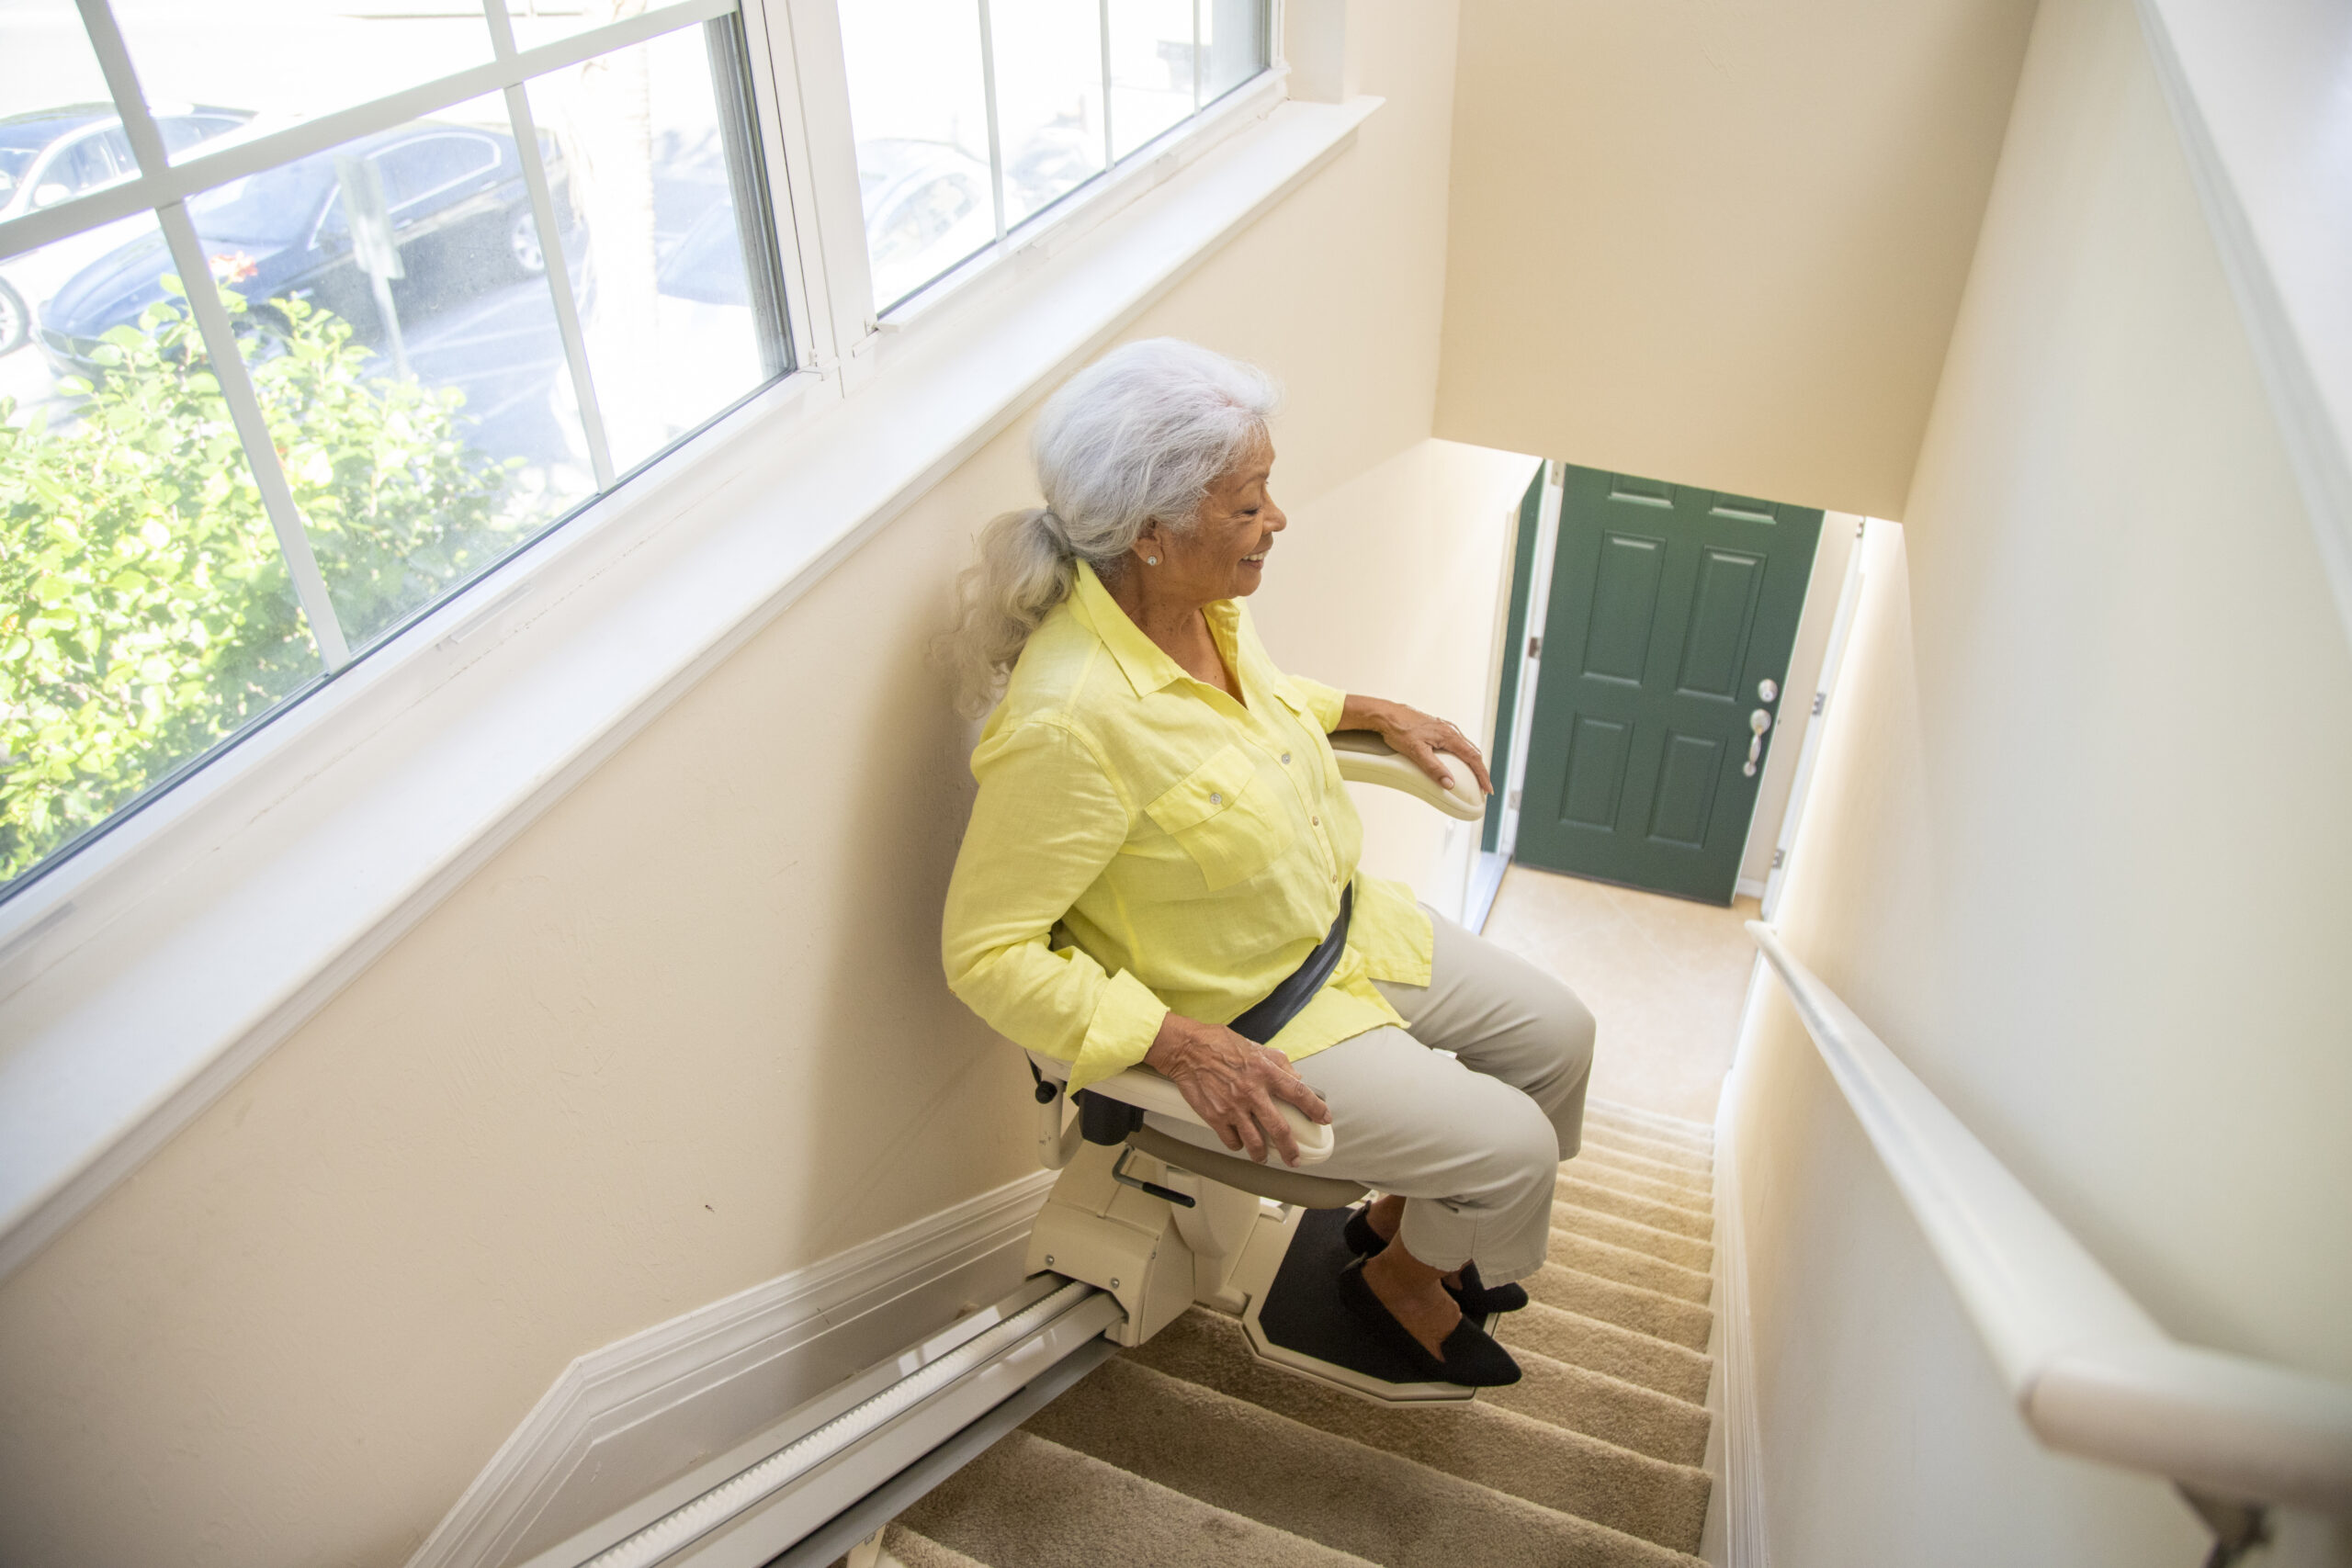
1160, 840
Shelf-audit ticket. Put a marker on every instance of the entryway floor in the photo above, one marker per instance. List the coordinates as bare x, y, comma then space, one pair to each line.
1665, 978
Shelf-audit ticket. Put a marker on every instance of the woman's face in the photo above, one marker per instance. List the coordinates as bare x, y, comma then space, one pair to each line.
1223, 554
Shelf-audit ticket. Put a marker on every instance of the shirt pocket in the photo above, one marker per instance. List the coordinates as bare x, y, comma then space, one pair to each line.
1222, 818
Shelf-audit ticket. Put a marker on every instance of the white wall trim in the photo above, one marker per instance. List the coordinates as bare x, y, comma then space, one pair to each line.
694, 1385
1748, 1543
1748, 888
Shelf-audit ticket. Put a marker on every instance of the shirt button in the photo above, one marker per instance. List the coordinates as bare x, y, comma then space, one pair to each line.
1216, 800
1315, 821
1285, 756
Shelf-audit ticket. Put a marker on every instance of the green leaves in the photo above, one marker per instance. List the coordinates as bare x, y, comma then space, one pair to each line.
146, 613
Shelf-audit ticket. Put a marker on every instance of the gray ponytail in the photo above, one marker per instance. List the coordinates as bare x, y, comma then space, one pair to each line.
1140, 433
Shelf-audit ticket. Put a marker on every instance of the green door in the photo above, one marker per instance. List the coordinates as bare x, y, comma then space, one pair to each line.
1665, 646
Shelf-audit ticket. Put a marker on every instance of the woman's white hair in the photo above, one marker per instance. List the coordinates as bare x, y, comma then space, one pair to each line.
1140, 433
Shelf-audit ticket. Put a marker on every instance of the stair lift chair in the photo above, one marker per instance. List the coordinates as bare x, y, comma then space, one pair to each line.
1161, 1224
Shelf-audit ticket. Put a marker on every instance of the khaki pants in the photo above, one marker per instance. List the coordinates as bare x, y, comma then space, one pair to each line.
1473, 1140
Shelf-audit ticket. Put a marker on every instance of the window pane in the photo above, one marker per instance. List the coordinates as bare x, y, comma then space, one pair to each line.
145, 612
285, 60
918, 110
664, 278
411, 384
1233, 44
1048, 99
1151, 69
45, 64
55, 116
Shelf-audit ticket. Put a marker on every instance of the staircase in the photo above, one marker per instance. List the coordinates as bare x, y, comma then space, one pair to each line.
1186, 1452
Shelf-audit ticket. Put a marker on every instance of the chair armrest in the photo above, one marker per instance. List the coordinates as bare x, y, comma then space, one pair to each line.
1154, 1095
1366, 757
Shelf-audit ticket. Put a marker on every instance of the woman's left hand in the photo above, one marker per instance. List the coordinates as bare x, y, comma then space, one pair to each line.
1429, 740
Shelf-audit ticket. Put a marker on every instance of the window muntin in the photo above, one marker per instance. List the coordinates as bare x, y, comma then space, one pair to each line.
418, 399
1023, 100
295, 59
669, 316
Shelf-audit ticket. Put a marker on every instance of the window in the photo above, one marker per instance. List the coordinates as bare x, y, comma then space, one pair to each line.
974, 116
252, 433
311, 314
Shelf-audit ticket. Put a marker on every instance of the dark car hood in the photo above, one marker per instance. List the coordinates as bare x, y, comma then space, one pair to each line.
112, 291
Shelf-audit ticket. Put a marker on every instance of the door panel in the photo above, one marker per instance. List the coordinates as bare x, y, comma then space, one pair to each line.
1722, 609
1596, 778
1624, 608
1670, 605
1686, 787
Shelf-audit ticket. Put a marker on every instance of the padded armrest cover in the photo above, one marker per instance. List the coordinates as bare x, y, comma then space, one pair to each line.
1147, 1091
1367, 758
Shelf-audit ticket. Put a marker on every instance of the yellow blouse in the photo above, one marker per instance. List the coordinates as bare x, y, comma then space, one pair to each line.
1143, 843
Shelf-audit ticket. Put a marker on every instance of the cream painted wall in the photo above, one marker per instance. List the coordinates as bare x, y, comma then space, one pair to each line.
2077, 852
1718, 243
1414, 616
688, 1031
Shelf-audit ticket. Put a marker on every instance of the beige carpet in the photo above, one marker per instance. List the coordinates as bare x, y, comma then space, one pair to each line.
1187, 1452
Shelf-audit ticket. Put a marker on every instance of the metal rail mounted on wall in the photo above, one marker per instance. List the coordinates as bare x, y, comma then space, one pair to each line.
2091, 1372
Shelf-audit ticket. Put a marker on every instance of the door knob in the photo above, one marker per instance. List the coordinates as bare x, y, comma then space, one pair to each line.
1768, 688
1758, 723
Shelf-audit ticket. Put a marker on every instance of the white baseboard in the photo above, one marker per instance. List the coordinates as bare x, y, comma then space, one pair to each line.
1745, 1541
1748, 888
623, 1419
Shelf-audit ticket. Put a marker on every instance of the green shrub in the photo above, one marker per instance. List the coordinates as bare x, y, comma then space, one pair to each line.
145, 612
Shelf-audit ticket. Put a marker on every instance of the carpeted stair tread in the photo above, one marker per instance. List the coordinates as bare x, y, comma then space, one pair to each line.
1559, 1467
1582, 1340
1346, 1495
1694, 1136
908, 1549
1697, 1223
1682, 1179
1628, 1414
1033, 1503
1670, 1318
1571, 1249
1663, 1150
1702, 1198
1672, 1247
1656, 1132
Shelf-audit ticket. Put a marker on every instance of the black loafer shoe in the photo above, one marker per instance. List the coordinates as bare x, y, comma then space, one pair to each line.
1362, 1239
1470, 1358
1477, 1299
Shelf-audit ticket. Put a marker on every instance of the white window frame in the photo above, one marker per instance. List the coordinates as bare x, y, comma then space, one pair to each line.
142, 975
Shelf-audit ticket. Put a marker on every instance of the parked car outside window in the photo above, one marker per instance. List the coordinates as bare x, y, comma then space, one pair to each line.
55, 155
460, 215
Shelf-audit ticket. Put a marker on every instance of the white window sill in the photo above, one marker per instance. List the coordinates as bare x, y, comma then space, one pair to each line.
2256, 89
142, 977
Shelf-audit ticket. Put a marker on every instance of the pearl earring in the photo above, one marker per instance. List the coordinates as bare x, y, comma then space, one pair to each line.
1151, 560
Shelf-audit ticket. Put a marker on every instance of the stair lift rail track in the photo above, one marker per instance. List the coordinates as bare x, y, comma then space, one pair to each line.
885, 1448
2091, 1372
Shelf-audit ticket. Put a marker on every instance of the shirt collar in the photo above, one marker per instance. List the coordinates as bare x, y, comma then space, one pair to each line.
1144, 662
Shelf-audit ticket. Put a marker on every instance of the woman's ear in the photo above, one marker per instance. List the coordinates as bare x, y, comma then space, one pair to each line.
1150, 545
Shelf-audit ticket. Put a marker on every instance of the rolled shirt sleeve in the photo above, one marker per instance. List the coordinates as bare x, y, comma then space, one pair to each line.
1327, 702
1048, 820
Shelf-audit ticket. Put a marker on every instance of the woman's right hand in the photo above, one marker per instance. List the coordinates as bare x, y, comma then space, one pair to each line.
1232, 1083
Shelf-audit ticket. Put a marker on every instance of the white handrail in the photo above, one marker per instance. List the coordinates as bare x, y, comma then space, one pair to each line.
2091, 1372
